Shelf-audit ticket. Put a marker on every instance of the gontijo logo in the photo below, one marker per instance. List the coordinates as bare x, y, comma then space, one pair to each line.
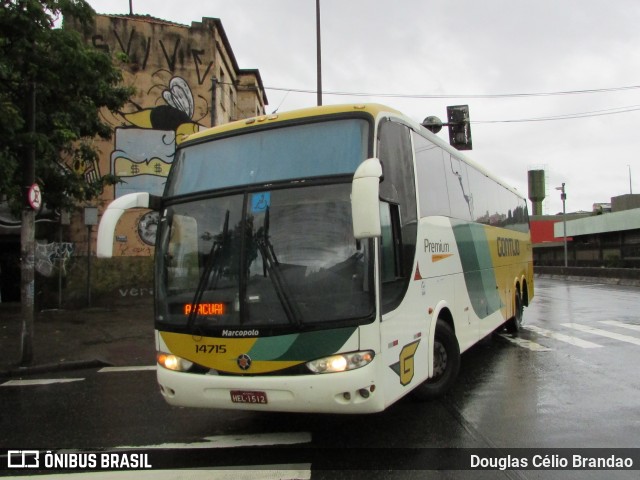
508, 247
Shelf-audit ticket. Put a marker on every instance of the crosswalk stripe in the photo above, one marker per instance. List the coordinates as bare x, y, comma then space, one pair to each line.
562, 337
231, 441
524, 343
615, 323
42, 381
140, 368
603, 333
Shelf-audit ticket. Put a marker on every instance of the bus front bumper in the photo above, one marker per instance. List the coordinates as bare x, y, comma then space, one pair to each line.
345, 392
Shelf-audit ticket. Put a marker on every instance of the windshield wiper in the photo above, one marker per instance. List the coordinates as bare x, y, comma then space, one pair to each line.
272, 269
212, 263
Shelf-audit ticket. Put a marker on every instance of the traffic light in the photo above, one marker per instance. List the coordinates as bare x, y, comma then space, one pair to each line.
459, 127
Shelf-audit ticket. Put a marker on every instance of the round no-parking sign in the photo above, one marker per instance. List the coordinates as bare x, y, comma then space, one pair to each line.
35, 196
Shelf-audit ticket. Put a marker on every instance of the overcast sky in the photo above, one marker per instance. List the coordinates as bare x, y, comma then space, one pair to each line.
458, 48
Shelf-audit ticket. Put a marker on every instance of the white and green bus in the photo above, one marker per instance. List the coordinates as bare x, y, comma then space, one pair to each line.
331, 259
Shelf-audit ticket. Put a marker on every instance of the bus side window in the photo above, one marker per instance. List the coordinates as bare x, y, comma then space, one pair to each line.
391, 242
398, 195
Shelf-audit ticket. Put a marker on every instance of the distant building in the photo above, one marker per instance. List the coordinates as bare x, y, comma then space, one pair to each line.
605, 238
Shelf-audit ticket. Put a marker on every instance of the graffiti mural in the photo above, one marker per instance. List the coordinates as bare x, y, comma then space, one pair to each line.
178, 72
146, 145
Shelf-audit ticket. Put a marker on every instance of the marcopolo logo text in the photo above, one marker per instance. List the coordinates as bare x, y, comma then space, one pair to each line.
240, 333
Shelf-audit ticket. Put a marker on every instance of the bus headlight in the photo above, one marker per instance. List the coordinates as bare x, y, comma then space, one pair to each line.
173, 362
341, 362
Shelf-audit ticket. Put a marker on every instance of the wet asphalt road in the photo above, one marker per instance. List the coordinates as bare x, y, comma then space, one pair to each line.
569, 380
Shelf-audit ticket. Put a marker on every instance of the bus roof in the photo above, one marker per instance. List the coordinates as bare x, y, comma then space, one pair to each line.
375, 110
371, 108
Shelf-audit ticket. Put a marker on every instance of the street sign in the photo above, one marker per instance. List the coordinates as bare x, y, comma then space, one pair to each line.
35, 196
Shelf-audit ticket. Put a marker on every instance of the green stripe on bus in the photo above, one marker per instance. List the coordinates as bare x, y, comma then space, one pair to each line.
271, 348
479, 274
307, 346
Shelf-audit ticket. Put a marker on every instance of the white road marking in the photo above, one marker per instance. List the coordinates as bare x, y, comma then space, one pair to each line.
230, 441
615, 323
528, 344
270, 472
562, 337
43, 381
140, 368
603, 333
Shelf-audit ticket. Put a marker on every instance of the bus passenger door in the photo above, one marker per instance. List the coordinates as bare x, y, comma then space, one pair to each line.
404, 341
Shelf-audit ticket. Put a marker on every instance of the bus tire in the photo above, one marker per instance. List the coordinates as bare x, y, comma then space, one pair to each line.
446, 364
514, 324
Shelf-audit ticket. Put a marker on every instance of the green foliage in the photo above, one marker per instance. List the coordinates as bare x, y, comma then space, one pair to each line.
73, 81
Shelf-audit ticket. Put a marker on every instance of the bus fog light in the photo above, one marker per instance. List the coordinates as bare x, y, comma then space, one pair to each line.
341, 362
173, 362
364, 393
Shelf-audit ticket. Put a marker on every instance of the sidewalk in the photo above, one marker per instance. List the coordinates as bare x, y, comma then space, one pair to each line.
68, 339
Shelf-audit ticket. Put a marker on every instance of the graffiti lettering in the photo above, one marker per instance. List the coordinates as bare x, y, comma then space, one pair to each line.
98, 42
127, 50
136, 292
197, 61
48, 254
171, 62
134, 45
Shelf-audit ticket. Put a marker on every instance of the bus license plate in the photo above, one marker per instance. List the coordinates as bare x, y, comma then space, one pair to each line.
245, 396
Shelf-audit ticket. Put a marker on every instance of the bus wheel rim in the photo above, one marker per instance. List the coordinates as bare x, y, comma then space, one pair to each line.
439, 360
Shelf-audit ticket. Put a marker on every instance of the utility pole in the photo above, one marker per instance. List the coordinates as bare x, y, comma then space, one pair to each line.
318, 53
27, 237
563, 197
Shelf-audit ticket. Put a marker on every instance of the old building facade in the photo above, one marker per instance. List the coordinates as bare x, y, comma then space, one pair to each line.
186, 79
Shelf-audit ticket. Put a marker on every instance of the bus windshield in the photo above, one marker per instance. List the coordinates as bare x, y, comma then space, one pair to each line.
283, 257
261, 244
298, 151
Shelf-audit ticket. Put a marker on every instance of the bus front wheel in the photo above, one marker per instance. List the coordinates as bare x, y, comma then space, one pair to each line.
446, 364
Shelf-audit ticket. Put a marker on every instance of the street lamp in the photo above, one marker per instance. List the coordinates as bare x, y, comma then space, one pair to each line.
563, 197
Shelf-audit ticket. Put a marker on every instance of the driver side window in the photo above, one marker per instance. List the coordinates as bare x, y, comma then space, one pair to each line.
398, 212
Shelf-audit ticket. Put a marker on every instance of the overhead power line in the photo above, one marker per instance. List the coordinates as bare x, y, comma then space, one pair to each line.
460, 96
568, 116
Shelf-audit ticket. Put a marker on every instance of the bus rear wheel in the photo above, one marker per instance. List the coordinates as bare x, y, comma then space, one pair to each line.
514, 324
446, 364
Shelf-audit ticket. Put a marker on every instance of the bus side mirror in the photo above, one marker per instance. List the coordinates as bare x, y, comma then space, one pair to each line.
112, 214
365, 199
